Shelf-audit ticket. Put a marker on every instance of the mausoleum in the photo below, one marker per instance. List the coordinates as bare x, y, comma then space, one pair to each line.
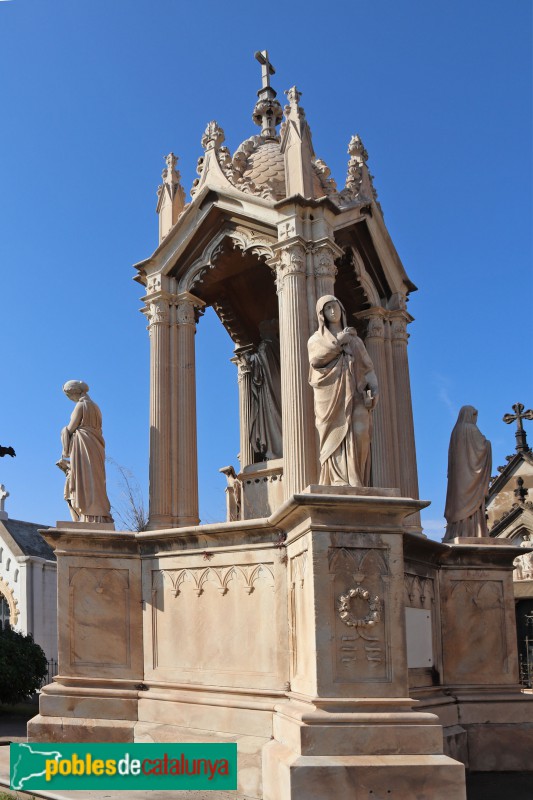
317, 626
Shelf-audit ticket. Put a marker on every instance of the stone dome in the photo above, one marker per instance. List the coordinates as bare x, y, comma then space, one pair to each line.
266, 168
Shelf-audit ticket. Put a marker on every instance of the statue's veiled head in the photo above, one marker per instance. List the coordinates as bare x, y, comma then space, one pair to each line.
330, 309
467, 415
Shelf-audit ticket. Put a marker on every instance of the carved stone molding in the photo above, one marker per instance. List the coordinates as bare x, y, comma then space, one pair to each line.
243, 238
246, 575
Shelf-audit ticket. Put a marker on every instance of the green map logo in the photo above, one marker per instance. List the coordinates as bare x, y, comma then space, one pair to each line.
176, 766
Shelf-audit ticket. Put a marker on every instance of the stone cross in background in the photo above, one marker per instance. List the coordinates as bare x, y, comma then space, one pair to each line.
3, 495
519, 415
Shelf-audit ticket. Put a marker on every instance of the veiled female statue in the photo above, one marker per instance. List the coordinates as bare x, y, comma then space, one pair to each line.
83, 458
469, 468
345, 392
265, 435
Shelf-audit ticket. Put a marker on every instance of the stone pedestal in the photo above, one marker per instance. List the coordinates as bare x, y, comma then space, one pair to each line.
100, 640
287, 635
348, 723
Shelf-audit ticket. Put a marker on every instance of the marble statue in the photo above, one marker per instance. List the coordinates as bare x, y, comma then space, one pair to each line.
469, 468
265, 434
83, 458
345, 392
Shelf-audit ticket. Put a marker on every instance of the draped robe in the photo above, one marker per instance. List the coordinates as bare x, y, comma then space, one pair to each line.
469, 468
341, 376
83, 443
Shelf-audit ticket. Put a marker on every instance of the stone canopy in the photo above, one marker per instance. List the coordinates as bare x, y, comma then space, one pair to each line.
265, 234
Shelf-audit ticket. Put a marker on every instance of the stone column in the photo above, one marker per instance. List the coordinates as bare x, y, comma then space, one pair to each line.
299, 432
404, 408
384, 472
391, 392
325, 269
160, 504
184, 444
244, 378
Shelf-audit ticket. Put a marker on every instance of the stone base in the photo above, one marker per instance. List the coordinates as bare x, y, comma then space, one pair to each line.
288, 775
79, 729
249, 750
354, 748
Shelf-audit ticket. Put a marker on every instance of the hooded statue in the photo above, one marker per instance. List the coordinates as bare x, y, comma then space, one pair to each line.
345, 392
469, 468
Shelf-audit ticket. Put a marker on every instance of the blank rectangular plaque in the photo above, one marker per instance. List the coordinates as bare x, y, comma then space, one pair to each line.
419, 637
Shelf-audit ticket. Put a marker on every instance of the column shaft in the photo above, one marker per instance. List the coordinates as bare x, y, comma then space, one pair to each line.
391, 392
160, 504
299, 433
244, 378
185, 451
383, 446
404, 409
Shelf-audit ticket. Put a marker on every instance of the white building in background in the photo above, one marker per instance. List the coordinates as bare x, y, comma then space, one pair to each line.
28, 581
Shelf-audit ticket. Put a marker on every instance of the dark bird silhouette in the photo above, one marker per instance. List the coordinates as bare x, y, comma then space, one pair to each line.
7, 451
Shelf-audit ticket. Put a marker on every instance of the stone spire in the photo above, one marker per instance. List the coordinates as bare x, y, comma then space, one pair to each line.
170, 196
267, 112
297, 147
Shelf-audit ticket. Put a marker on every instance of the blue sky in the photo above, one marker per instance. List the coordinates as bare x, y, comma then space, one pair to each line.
93, 95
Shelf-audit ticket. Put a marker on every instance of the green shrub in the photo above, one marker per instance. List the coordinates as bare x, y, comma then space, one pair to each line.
23, 666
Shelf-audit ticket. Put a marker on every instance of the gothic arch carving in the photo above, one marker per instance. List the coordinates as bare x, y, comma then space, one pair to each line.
7, 592
241, 238
364, 278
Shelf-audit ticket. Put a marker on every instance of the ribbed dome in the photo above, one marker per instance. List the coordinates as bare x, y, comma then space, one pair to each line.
266, 167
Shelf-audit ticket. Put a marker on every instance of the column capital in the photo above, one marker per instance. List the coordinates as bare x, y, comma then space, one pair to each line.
376, 318
188, 307
157, 309
324, 254
289, 259
399, 320
241, 359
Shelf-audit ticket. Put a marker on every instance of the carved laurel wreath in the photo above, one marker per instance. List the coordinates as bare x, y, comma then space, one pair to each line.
374, 608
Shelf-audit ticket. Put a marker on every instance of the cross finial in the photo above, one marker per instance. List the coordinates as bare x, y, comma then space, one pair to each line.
266, 67
3, 495
520, 434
